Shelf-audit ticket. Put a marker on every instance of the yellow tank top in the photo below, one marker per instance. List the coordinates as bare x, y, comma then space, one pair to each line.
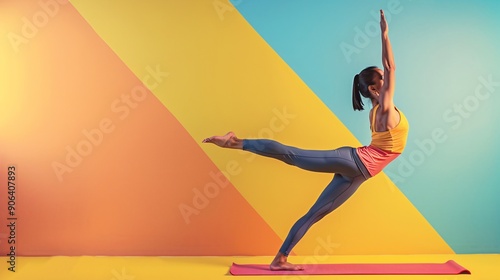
393, 140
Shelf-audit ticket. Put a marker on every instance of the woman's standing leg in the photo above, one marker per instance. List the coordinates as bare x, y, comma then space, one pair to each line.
334, 195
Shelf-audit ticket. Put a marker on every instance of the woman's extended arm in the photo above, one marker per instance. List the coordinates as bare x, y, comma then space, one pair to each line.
387, 91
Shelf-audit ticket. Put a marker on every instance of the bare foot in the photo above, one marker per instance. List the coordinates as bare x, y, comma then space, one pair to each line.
227, 141
285, 266
280, 263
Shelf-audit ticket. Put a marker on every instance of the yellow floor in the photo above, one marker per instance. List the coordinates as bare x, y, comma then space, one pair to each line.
485, 267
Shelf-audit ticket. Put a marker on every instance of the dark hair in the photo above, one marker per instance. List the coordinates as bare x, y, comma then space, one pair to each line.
362, 81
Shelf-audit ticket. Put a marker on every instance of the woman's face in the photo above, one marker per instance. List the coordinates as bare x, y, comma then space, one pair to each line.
379, 82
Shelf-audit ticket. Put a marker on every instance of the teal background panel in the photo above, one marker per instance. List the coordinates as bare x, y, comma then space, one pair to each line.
448, 82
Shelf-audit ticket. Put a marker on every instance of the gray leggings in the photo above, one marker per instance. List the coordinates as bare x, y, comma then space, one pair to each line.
344, 162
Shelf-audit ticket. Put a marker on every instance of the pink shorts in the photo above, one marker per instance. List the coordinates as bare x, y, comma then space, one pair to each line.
375, 159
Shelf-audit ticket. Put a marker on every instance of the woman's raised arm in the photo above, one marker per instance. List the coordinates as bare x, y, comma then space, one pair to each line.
387, 92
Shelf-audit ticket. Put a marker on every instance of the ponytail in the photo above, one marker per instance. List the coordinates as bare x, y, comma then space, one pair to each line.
357, 103
362, 81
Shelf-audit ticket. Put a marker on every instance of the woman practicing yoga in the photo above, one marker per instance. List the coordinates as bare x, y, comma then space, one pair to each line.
352, 166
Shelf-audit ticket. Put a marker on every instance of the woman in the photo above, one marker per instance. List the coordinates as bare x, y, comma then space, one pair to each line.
352, 166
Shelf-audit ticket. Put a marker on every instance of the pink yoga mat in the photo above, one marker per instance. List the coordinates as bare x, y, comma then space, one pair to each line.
449, 267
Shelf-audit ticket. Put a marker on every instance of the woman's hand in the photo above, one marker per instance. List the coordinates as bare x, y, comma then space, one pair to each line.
383, 24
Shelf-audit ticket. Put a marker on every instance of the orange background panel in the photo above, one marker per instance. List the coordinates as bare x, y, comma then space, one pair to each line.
127, 164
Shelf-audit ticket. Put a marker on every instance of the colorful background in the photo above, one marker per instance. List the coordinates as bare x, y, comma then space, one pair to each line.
104, 105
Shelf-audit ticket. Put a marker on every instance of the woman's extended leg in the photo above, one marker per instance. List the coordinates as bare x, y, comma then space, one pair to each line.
330, 161
334, 195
